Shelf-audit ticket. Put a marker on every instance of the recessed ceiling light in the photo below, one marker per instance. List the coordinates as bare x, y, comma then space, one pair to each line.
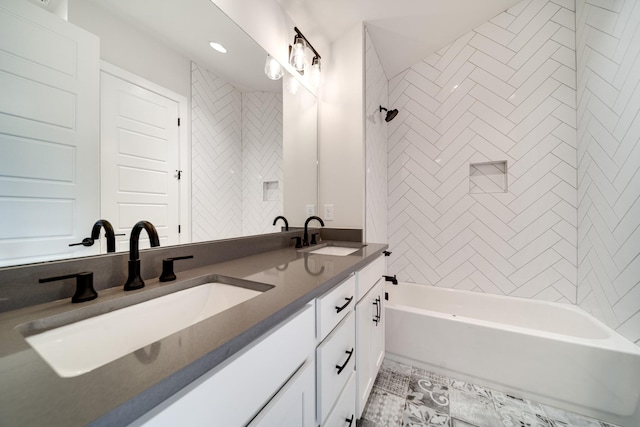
218, 47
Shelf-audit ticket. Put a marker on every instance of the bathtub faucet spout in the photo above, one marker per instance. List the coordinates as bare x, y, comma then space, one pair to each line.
391, 279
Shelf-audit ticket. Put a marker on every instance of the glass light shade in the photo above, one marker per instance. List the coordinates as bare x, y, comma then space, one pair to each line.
298, 58
272, 68
292, 85
315, 72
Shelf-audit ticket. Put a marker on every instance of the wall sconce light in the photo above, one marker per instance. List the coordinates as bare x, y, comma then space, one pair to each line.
272, 68
298, 58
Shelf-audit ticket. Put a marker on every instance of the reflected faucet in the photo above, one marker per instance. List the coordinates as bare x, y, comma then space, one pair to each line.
134, 281
305, 237
108, 232
95, 235
286, 223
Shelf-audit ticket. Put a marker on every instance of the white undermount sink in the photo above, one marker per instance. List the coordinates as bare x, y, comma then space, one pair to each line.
82, 346
334, 250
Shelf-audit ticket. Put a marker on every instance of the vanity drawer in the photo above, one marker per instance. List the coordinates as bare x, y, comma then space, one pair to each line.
335, 362
369, 276
334, 306
344, 413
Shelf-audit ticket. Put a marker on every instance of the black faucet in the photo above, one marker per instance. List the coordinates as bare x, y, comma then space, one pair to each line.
286, 223
95, 235
108, 232
134, 281
305, 237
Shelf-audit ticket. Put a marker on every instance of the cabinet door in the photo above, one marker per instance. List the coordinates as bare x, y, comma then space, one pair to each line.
377, 329
366, 313
294, 405
343, 413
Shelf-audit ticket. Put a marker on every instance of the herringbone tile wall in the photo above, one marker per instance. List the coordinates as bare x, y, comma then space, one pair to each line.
376, 95
505, 91
261, 160
608, 47
216, 157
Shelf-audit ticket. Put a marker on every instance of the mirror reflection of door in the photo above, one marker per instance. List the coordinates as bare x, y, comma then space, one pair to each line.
48, 135
140, 156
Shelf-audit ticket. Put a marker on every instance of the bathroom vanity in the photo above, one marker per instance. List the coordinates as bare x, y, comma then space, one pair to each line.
253, 362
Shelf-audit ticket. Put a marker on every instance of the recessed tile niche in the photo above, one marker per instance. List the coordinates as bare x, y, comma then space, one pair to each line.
270, 191
488, 177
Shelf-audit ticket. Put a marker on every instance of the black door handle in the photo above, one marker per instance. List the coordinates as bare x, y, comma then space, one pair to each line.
349, 420
339, 309
344, 365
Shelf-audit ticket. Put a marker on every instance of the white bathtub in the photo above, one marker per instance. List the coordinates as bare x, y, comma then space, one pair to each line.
552, 353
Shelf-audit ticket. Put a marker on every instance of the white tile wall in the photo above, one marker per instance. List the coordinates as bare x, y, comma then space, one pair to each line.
376, 94
216, 147
261, 160
503, 92
608, 57
236, 146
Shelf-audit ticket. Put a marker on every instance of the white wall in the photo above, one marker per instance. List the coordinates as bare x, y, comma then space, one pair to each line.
377, 94
300, 145
608, 46
123, 45
505, 91
341, 148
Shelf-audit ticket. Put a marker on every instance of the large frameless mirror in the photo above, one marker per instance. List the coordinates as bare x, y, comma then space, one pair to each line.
89, 129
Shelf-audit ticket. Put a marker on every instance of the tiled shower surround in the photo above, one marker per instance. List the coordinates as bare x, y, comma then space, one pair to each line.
412, 397
552, 88
236, 147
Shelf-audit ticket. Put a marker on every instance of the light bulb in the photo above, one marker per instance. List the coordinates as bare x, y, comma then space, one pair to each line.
272, 68
298, 58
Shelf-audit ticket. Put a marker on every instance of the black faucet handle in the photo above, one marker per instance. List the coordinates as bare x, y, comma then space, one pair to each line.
167, 268
84, 285
387, 253
313, 238
87, 241
298, 241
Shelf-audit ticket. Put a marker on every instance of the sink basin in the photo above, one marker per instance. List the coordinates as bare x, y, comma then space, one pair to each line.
82, 346
334, 250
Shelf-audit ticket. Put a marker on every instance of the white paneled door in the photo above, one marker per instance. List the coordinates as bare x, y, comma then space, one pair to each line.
140, 157
49, 135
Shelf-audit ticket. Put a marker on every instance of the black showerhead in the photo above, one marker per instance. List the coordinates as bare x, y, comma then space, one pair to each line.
391, 114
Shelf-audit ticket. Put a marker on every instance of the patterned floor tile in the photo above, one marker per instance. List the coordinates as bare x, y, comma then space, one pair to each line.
423, 416
434, 378
366, 423
384, 408
472, 408
560, 418
436, 400
459, 423
394, 366
393, 382
423, 391
471, 388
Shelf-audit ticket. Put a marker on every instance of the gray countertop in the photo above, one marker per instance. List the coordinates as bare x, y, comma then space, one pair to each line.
32, 394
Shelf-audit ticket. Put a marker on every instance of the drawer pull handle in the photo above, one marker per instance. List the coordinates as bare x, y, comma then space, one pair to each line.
376, 318
349, 420
339, 309
344, 365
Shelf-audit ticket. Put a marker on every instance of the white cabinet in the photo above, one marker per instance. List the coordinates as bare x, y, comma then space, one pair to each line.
369, 330
333, 306
344, 413
335, 359
232, 394
294, 405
